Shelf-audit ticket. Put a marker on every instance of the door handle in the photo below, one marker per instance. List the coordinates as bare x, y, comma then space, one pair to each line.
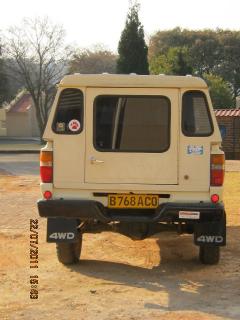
95, 161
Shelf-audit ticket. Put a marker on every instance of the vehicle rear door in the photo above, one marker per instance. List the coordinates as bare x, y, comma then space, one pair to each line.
132, 136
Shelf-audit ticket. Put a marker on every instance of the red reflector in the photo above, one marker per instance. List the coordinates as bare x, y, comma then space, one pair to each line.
217, 177
46, 174
47, 195
214, 198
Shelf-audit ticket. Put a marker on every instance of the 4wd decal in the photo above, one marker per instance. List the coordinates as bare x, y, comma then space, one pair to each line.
62, 230
62, 235
210, 239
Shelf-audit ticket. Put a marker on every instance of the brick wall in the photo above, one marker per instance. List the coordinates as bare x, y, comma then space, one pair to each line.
231, 141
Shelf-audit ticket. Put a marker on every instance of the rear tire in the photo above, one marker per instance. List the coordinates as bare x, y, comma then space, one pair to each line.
69, 253
209, 254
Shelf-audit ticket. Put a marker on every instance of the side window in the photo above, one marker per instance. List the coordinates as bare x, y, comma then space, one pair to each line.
68, 117
223, 130
196, 119
132, 123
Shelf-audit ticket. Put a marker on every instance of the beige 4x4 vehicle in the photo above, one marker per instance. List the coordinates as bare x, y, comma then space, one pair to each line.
132, 154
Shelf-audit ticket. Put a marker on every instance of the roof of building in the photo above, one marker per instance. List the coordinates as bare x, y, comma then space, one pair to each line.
21, 104
131, 80
227, 112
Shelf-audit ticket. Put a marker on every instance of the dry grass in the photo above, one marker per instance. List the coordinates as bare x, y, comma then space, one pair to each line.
231, 197
157, 278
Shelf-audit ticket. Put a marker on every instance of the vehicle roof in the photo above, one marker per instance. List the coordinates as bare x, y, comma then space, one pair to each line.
131, 80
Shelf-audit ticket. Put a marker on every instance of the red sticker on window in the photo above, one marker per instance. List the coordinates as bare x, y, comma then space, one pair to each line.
74, 125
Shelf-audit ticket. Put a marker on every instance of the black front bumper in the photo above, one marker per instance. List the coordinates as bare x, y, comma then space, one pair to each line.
87, 210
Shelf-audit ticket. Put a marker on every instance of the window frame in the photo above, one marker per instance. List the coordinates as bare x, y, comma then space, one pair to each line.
56, 110
208, 113
131, 96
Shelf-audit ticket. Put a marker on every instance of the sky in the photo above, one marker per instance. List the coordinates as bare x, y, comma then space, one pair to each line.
93, 22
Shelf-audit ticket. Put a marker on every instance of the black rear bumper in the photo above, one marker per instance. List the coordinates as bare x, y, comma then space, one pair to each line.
87, 210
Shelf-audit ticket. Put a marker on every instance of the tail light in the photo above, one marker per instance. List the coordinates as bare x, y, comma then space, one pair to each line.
46, 166
217, 169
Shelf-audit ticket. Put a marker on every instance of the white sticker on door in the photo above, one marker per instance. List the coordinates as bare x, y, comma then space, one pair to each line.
74, 125
192, 149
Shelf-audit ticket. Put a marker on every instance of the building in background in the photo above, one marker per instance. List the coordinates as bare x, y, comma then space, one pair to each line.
229, 124
3, 129
19, 118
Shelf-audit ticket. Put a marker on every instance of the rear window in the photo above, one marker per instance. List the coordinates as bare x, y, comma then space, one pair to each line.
132, 123
68, 118
196, 118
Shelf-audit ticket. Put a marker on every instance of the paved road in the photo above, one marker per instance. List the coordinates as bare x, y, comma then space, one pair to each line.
19, 164
15, 140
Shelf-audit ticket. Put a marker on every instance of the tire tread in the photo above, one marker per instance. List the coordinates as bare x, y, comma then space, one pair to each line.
69, 253
209, 254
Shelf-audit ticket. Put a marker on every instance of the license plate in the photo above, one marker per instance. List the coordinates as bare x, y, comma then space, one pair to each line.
139, 201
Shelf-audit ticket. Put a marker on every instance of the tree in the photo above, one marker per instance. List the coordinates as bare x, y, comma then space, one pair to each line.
36, 47
160, 65
161, 41
3, 80
203, 46
132, 47
175, 62
209, 51
229, 67
220, 92
182, 66
205, 52
97, 60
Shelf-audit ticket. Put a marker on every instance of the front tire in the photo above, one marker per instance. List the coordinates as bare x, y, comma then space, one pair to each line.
69, 253
209, 254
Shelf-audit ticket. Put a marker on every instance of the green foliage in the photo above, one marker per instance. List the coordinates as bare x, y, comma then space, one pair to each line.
175, 62
97, 60
181, 64
160, 64
161, 41
211, 52
203, 46
132, 47
220, 92
229, 67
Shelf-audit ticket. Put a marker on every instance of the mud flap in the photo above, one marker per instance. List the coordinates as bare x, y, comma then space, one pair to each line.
210, 233
62, 230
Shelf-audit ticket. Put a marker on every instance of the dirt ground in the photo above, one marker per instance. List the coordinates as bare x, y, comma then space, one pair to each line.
158, 278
